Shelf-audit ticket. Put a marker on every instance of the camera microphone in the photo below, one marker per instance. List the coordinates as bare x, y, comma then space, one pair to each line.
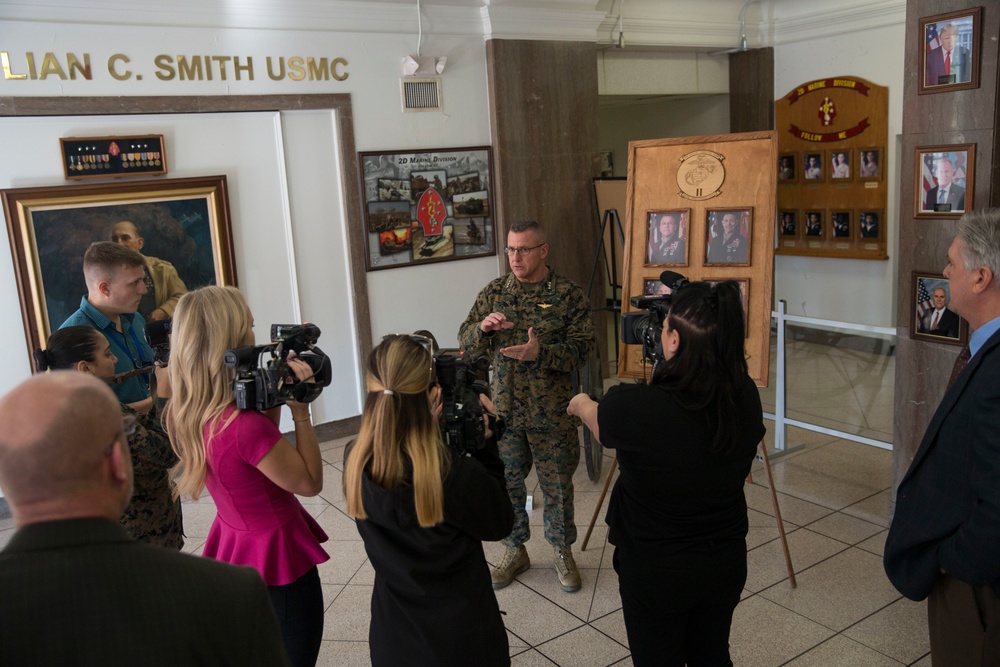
673, 280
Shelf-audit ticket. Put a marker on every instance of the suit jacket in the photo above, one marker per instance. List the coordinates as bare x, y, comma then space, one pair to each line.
947, 324
956, 197
80, 592
961, 65
948, 503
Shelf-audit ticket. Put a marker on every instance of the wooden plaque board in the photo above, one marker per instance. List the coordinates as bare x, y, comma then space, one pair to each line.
700, 179
833, 121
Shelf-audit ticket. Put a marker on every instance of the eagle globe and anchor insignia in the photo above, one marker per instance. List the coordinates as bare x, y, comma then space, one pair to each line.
700, 175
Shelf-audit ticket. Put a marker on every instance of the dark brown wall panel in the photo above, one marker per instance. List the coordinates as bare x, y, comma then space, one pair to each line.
751, 90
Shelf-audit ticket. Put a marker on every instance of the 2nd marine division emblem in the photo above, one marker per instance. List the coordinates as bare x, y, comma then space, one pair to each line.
700, 175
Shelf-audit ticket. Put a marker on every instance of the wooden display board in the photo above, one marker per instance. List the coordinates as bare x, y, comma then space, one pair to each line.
706, 184
831, 169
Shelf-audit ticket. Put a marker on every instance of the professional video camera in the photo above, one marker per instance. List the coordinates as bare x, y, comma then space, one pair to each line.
158, 337
462, 414
646, 328
263, 385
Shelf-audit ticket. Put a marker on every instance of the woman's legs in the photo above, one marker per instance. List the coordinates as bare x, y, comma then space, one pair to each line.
299, 606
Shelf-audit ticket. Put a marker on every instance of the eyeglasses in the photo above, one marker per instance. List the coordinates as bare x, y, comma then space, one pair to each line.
129, 424
523, 252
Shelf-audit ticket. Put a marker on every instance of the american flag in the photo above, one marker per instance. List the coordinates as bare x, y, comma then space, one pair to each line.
923, 299
932, 38
927, 172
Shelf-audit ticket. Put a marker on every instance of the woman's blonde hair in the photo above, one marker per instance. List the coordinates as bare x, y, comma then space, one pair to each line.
206, 323
400, 441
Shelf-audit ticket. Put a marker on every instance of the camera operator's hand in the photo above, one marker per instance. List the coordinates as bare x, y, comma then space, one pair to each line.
584, 407
525, 352
495, 322
436, 406
303, 371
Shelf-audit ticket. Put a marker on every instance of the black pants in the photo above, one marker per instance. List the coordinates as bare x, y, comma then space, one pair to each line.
299, 606
964, 624
678, 611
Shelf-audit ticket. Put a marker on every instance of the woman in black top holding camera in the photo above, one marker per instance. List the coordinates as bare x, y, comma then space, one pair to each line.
422, 512
678, 515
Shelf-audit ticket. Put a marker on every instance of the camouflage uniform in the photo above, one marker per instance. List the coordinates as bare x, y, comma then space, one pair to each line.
152, 515
533, 395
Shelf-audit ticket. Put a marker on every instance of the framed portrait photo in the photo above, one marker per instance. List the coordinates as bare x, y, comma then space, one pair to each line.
870, 224
788, 223
184, 221
653, 287
812, 167
870, 164
841, 225
840, 165
949, 59
666, 237
727, 236
788, 168
814, 226
933, 320
943, 180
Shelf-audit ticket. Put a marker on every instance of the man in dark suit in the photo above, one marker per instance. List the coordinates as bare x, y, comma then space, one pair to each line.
948, 63
939, 320
944, 541
946, 195
74, 588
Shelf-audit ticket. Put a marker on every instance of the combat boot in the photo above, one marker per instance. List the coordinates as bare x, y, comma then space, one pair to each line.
515, 561
569, 575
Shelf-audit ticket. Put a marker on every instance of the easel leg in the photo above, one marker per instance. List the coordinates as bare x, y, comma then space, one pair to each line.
600, 503
777, 514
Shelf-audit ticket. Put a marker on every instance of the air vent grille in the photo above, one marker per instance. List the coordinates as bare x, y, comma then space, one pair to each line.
421, 94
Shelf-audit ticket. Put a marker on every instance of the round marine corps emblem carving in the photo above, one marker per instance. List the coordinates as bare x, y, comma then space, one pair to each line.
700, 175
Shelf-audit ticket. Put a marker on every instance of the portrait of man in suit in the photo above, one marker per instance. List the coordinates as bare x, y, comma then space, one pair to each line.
949, 62
943, 543
939, 320
946, 195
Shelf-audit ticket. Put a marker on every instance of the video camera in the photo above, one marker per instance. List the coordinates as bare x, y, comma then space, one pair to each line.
462, 414
158, 337
646, 328
261, 385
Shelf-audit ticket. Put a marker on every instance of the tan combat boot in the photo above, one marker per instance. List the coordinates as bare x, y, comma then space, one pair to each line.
569, 575
515, 561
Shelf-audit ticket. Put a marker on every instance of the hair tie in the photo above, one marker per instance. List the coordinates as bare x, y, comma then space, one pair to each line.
388, 392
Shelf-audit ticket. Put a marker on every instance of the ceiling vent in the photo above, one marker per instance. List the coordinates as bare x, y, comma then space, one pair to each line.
421, 94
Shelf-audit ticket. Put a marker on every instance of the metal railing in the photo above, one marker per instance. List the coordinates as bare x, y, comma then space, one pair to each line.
781, 420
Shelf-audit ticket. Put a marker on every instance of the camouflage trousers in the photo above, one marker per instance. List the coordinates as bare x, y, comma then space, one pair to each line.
556, 454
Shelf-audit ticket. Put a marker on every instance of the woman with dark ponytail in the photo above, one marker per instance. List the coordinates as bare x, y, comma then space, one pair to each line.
678, 515
153, 515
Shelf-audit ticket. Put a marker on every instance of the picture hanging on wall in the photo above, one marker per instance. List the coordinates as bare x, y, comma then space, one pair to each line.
183, 221
933, 319
943, 180
427, 206
949, 60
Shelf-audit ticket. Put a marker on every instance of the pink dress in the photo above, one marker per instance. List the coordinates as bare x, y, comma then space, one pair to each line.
258, 523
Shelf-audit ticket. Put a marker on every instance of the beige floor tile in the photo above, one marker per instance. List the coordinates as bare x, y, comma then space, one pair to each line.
923, 662
333, 486
899, 631
543, 580
766, 564
874, 509
515, 643
349, 615
765, 635
836, 475
330, 593
530, 658
5, 536
533, 617
365, 576
337, 525
613, 625
198, 518
763, 528
346, 558
793, 510
839, 591
845, 528
875, 544
193, 545
583, 647
344, 654
606, 596
840, 650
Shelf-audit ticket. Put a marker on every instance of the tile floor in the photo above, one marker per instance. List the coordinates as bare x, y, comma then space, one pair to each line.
834, 497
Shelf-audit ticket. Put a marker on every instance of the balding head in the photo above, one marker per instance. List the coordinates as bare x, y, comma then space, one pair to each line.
62, 450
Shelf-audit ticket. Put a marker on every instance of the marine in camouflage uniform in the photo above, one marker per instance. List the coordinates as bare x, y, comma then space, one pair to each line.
153, 515
532, 395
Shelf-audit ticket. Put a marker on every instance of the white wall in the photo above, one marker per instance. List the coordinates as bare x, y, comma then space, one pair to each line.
848, 290
287, 208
